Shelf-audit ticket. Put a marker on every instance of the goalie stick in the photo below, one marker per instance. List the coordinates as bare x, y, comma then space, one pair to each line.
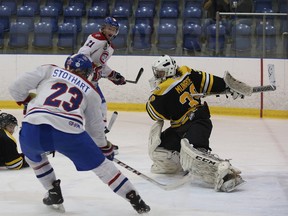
137, 78
256, 89
186, 178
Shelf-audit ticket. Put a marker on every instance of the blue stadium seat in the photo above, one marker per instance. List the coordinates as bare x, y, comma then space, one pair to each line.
73, 14
151, 4
241, 38
262, 5
97, 14
43, 35
67, 36
192, 14
11, 4
167, 34
282, 6
144, 15
191, 37
141, 36
26, 15
80, 4
168, 11
120, 42
35, 4
170, 4
50, 14
127, 4
270, 38
211, 37
19, 35
193, 3
120, 12
88, 29
101, 3
5, 14
57, 4
1, 36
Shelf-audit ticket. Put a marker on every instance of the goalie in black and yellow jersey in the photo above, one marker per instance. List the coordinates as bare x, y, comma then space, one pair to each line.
176, 97
9, 155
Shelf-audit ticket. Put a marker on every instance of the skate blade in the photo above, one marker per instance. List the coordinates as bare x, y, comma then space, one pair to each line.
58, 207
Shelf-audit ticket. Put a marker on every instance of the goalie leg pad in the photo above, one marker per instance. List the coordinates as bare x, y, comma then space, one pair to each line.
154, 137
209, 168
165, 161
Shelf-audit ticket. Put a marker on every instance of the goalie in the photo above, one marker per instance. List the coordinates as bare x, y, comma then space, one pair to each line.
185, 144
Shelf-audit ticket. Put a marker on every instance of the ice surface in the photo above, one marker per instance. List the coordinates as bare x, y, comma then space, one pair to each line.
256, 146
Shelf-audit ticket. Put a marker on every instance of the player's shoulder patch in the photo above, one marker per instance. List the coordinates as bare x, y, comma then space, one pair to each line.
99, 36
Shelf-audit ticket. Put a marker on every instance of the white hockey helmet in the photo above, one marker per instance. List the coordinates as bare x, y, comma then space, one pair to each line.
164, 67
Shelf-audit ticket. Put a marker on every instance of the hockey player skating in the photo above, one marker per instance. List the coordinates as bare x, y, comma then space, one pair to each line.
55, 122
185, 144
9, 155
99, 48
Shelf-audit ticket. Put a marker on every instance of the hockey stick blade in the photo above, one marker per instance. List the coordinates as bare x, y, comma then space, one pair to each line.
137, 78
112, 121
186, 178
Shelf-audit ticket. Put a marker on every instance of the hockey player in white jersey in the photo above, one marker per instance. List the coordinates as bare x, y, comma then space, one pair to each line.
99, 48
55, 118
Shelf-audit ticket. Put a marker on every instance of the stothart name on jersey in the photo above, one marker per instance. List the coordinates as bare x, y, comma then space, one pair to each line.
183, 85
72, 78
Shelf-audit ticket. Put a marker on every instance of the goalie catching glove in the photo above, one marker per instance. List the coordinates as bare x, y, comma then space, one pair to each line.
236, 87
108, 151
116, 78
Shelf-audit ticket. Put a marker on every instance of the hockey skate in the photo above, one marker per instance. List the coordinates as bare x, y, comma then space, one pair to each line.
138, 204
54, 197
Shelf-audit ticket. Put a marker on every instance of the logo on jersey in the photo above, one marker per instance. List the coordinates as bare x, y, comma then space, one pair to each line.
104, 56
74, 124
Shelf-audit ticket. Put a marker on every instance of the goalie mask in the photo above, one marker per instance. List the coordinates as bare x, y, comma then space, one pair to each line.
163, 68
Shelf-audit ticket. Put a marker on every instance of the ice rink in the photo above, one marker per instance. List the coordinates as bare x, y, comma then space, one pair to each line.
258, 147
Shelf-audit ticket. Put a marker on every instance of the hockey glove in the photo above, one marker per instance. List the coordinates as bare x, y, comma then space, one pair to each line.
116, 78
97, 73
26, 101
108, 151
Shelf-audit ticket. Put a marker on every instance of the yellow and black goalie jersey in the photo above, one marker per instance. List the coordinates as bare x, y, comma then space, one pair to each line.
9, 155
172, 100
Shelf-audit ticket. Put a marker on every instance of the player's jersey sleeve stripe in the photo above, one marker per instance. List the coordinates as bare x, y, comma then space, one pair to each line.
153, 113
210, 83
203, 82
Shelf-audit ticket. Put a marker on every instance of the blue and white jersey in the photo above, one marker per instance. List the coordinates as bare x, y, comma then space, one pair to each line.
64, 100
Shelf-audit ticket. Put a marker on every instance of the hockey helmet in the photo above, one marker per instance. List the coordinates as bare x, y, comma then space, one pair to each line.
164, 67
79, 63
7, 119
110, 22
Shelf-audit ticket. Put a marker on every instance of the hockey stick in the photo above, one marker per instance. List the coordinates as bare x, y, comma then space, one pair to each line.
112, 121
256, 89
137, 78
186, 178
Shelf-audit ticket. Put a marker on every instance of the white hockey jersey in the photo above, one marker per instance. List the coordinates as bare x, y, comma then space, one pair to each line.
64, 100
98, 50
